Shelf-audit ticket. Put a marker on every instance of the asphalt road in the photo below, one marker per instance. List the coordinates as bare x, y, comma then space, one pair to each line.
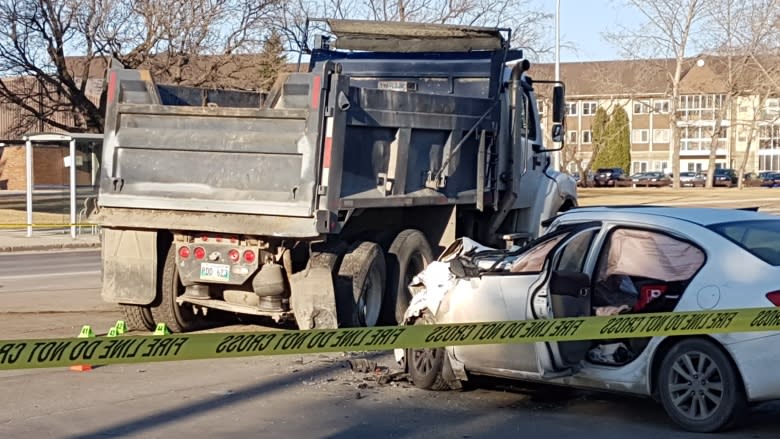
312, 396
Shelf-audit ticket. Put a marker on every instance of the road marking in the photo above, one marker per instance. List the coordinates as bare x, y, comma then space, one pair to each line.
28, 276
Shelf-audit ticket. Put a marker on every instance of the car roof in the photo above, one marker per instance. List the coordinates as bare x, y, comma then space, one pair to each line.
704, 216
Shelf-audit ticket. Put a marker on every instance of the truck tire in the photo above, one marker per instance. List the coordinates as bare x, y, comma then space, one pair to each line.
361, 278
166, 310
407, 256
138, 318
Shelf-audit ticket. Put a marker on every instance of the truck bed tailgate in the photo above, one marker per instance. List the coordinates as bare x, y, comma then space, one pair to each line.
235, 160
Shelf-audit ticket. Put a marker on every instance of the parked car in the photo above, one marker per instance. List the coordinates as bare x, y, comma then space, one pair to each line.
587, 182
751, 179
692, 179
610, 177
651, 179
724, 177
618, 260
771, 179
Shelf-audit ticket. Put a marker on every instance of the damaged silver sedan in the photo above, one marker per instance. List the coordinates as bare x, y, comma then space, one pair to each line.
607, 261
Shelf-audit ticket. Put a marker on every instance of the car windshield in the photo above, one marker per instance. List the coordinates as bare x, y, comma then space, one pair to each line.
761, 238
603, 170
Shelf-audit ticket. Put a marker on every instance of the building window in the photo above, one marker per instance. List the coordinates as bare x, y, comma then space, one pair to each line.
700, 106
586, 136
639, 167
694, 167
699, 138
771, 109
769, 137
572, 137
661, 166
661, 136
768, 160
588, 108
661, 105
641, 107
571, 109
640, 136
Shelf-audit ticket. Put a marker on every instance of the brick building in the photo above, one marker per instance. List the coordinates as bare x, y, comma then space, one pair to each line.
749, 128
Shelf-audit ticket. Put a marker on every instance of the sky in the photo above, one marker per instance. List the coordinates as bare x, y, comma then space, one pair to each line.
584, 21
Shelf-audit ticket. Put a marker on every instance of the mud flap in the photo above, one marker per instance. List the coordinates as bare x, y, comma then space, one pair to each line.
313, 293
314, 299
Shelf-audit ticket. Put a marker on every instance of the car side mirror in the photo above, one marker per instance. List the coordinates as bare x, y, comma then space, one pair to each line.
559, 104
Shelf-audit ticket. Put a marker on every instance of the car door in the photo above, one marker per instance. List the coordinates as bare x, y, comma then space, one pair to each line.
566, 292
528, 272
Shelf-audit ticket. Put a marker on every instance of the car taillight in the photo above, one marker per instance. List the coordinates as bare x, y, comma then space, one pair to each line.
249, 256
184, 252
774, 297
234, 255
200, 253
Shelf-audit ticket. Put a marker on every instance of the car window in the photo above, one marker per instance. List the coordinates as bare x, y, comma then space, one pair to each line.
760, 238
575, 252
650, 254
532, 261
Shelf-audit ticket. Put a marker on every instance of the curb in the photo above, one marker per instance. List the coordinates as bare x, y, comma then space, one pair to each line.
44, 247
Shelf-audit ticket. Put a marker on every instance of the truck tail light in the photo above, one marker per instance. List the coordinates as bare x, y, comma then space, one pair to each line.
184, 252
234, 255
249, 256
774, 297
200, 253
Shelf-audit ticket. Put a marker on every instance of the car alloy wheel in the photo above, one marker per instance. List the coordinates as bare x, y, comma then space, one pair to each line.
700, 388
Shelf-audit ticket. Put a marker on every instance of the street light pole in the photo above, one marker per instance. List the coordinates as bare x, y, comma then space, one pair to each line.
556, 156
557, 40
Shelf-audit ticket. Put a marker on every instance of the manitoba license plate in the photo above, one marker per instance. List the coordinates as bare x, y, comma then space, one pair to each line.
218, 272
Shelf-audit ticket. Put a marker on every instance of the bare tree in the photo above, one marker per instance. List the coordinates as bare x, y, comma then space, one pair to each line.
743, 35
531, 28
181, 41
668, 31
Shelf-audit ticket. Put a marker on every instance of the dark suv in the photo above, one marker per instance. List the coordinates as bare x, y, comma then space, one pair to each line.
724, 177
610, 177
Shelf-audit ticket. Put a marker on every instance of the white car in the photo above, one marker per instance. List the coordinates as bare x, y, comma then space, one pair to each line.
619, 260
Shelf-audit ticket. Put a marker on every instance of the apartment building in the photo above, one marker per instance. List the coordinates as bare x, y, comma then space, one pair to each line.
746, 128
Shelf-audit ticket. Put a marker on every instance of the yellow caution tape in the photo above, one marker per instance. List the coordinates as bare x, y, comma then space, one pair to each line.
26, 354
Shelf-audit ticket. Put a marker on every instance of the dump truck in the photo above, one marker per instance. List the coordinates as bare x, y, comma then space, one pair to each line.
320, 200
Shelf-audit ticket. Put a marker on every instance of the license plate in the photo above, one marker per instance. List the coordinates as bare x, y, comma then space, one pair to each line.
217, 272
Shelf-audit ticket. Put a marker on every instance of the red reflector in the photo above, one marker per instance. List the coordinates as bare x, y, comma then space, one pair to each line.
184, 252
249, 256
327, 152
316, 89
200, 253
774, 297
219, 238
234, 255
204, 238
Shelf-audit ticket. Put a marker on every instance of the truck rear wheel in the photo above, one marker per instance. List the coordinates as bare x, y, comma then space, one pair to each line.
138, 318
362, 278
408, 255
167, 310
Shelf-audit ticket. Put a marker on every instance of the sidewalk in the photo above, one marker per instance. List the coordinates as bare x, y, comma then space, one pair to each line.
41, 240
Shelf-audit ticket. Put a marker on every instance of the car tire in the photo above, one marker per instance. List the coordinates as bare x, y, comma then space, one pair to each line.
362, 277
178, 318
426, 365
137, 318
407, 256
700, 388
